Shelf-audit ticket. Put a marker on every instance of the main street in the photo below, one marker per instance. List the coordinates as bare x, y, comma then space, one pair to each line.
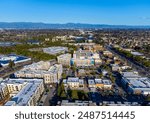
142, 70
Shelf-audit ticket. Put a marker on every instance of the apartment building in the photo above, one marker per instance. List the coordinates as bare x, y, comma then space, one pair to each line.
100, 83
85, 58
73, 82
64, 59
50, 74
26, 92
3, 91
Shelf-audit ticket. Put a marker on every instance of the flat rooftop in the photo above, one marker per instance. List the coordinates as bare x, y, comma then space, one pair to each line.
55, 50
27, 91
5, 59
40, 68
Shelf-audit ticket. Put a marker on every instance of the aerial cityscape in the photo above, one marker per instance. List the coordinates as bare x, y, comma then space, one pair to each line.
82, 63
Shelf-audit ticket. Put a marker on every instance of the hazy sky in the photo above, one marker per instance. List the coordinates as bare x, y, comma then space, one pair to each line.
126, 12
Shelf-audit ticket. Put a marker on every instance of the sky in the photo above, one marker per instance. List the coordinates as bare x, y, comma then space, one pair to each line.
113, 12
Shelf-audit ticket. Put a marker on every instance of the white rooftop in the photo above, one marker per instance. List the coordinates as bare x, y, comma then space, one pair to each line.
27, 91
55, 50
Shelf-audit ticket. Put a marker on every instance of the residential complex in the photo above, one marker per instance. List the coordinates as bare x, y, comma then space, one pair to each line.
100, 83
93, 67
73, 82
85, 58
50, 74
24, 92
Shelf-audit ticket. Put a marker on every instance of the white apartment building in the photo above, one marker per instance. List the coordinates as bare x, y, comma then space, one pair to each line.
28, 91
50, 74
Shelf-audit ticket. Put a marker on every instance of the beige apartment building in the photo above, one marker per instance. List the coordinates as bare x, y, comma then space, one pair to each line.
50, 74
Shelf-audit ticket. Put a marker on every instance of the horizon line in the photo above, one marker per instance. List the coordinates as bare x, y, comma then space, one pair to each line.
74, 23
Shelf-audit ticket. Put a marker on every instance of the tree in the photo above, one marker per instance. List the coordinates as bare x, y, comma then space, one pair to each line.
64, 75
11, 64
75, 95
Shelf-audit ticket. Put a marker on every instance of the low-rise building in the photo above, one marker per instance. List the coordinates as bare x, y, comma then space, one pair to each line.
28, 91
91, 83
77, 103
107, 84
64, 59
107, 53
99, 83
55, 50
33, 42
135, 84
73, 82
5, 59
59, 38
115, 67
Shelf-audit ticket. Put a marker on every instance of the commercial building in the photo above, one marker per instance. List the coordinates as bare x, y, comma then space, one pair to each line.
50, 74
25, 92
135, 84
5, 59
73, 82
55, 50
64, 59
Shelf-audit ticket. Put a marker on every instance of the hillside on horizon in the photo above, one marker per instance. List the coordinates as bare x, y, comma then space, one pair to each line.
32, 25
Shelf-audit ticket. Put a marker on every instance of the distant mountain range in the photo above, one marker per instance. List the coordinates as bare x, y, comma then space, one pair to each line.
30, 25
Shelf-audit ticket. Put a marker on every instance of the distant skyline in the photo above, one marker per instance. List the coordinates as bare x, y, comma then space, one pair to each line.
112, 12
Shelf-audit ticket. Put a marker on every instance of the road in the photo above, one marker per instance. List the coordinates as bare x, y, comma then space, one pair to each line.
133, 64
50, 94
6, 71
